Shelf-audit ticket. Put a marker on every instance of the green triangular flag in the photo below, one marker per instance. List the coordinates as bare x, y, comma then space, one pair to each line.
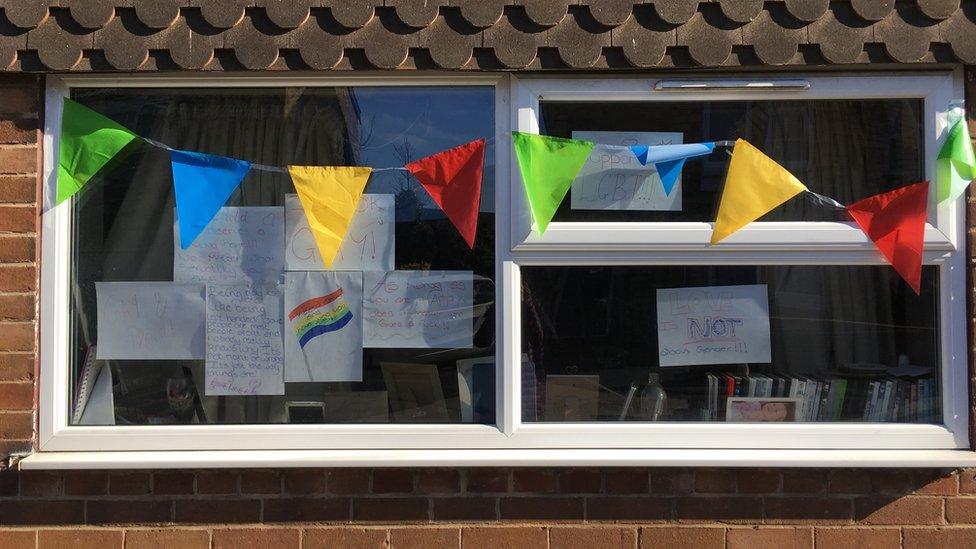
548, 166
88, 141
956, 165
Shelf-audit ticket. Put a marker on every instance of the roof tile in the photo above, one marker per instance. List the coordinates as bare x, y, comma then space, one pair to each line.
384, 48
157, 14
807, 10
91, 14
187, 48
318, 48
123, 49
576, 40
907, 34
774, 40
938, 9
353, 14
450, 46
416, 13
546, 13
255, 50
873, 10
222, 14
840, 33
514, 48
644, 39
611, 13
676, 12
708, 45
480, 13
287, 14
741, 11
960, 31
26, 15
59, 42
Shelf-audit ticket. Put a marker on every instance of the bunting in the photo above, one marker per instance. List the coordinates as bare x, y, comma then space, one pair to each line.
669, 159
548, 166
895, 222
956, 163
452, 178
202, 183
88, 141
329, 195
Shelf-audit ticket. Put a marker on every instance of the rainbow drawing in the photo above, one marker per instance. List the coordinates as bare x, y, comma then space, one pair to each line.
319, 315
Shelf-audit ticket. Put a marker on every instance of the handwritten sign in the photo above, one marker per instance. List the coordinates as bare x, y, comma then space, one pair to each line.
369, 245
713, 325
324, 319
418, 309
244, 345
613, 179
239, 246
150, 321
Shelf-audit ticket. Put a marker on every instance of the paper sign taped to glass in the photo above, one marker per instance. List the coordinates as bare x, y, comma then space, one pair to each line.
150, 321
614, 179
713, 325
369, 244
324, 326
239, 246
244, 341
419, 309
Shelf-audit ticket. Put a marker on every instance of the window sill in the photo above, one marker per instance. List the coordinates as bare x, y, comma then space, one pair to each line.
493, 458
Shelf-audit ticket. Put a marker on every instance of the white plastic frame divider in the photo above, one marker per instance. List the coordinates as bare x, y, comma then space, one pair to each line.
511, 441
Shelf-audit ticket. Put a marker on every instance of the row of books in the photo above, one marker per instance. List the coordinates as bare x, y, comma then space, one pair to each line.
884, 399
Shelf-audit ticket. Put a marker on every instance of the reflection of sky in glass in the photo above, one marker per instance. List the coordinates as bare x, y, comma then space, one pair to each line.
399, 125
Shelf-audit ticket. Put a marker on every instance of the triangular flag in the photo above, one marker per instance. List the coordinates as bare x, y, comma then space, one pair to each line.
669, 159
956, 164
88, 141
669, 172
203, 183
329, 196
453, 179
895, 222
640, 151
754, 185
548, 166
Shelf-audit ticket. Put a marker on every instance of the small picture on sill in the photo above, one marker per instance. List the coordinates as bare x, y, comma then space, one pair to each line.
743, 409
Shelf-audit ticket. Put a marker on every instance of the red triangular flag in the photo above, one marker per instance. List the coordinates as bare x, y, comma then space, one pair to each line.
453, 179
895, 222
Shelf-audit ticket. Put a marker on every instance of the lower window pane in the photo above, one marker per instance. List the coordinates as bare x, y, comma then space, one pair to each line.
731, 343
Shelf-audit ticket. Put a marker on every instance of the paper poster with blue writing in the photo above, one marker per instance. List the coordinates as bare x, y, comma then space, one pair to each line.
713, 325
324, 326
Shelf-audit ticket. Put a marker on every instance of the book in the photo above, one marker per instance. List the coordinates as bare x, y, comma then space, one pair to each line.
85, 384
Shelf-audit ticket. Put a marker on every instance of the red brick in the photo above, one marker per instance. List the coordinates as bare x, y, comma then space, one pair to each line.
129, 483
85, 483
803, 481
808, 510
961, 510
17, 219
216, 482
11, 447
857, 538
16, 249
757, 481
17, 278
260, 482
682, 537
534, 481
581, 481
967, 480
20, 99
44, 484
120, 511
348, 481
849, 481
936, 483
390, 509
304, 481
590, 537
16, 160
36, 511
627, 481
80, 539
629, 508
344, 538
438, 481
16, 425
392, 481
9, 482
257, 538
906, 510
672, 481
465, 508
769, 538
18, 131
17, 307
947, 538
168, 538
719, 509
16, 367
16, 336
531, 508
721, 481
891, 481
221, 510
503, 537
306, 509
172, 483
487, 480
18, 539
425, 538
18, 188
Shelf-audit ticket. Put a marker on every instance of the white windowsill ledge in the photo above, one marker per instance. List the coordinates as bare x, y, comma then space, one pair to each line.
504, 458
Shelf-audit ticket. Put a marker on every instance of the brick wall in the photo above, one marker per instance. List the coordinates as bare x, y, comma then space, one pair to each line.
401, 508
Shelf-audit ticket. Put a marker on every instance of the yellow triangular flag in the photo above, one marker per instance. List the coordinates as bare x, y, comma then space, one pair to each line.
755, 184
329, 196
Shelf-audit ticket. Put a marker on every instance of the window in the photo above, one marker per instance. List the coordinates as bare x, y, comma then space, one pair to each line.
565, 341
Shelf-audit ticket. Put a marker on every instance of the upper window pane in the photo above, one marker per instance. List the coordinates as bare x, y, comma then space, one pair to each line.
423, 299
845, 149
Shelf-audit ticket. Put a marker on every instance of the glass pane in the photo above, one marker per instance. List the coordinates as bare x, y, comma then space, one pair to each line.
845, 149
730, 343
406, 264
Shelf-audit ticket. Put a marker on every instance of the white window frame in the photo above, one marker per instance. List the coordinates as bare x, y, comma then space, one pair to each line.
511, 441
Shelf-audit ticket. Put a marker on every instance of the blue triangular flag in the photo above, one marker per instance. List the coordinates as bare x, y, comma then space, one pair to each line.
203, 184
669, 172
640, 151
